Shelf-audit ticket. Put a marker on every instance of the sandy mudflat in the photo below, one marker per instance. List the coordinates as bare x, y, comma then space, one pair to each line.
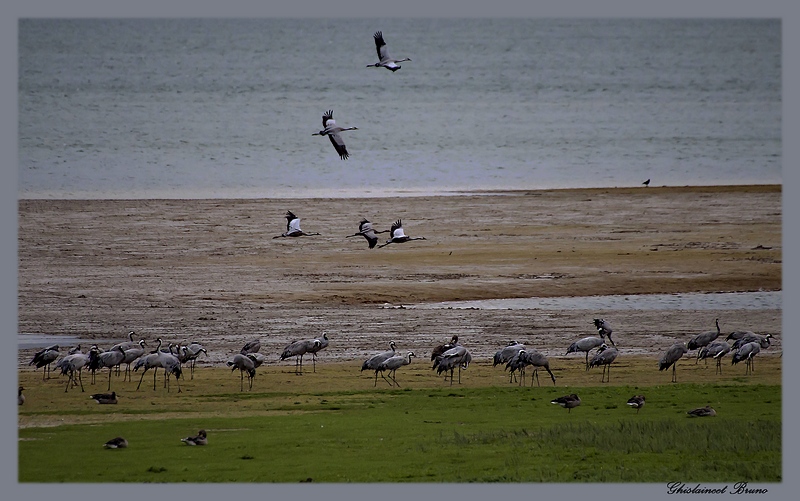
210, 271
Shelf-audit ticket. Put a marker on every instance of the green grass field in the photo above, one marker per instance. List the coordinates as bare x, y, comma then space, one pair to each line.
334, 426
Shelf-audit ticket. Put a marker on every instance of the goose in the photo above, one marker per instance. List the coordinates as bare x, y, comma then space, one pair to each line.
366, 230
637, 402
200, 439
383, 55
116, 443
568, 402
706, 411
398, 236
293, 227
105, 398
331, 130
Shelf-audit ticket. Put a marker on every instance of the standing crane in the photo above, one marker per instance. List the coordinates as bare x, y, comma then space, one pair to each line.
315, 347
703, 339
244, 364
604, 356
671, 357
44, 358
585, 345
457, 357
604, 329
374, 362
298, 349
715, 350
746, 352
393, 363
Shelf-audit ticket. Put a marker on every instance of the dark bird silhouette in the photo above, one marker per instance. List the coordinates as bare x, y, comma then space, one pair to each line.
199, 439
585, 345
637, 402
330, 129
366, 230
715, 350
105, 398
568, 402
398, 236
703, 339
44, 358
456, 357
293, 227
604, 356
671, 357
646, 183
384, 60
604, 329
505, 354
373, 363
702, 412
116, 443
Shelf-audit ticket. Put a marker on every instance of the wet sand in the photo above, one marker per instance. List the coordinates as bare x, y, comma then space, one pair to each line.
210, 270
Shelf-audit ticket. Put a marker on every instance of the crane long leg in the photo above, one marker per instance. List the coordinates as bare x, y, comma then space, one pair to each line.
140, 379
110, 370
587, 360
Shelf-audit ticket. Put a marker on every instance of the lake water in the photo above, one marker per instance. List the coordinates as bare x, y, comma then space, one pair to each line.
189, 108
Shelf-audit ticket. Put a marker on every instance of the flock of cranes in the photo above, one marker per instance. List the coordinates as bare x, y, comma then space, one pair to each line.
447, 358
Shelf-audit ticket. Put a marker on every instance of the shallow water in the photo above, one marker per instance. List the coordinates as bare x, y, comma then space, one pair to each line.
31, 341
767, 300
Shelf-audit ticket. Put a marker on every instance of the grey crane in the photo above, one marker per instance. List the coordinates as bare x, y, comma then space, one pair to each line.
398, 236
671, 357
116, 443
104, 398
257, 358
715, 350
251, 347
315, 348
111, 358
568, 402
438, 350
534, 358
706, 411
293, 227
200, 439
156, 359
298, 349
393, 363
74, 350
736, 335
126, 345
604, 329
703, 339
746, 352
585, 345
637, 402
131, 354
457, 357
172, 366
71, 364
147, 362
366, 230
384, 60
333, 131
244, 364
750, 337
20, 396
373, 363
604, 356
189, 355
505, 354
44, 358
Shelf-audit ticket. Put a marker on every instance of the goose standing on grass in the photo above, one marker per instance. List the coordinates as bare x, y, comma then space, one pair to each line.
293, 227
604, 356
706, 411
330, 129
637, 402
44, 358
384, 60
199, 439
585, 345
373, 363
671, 357
568, 402
243, 363
366, 230
398, 236
116, 443
392, 364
